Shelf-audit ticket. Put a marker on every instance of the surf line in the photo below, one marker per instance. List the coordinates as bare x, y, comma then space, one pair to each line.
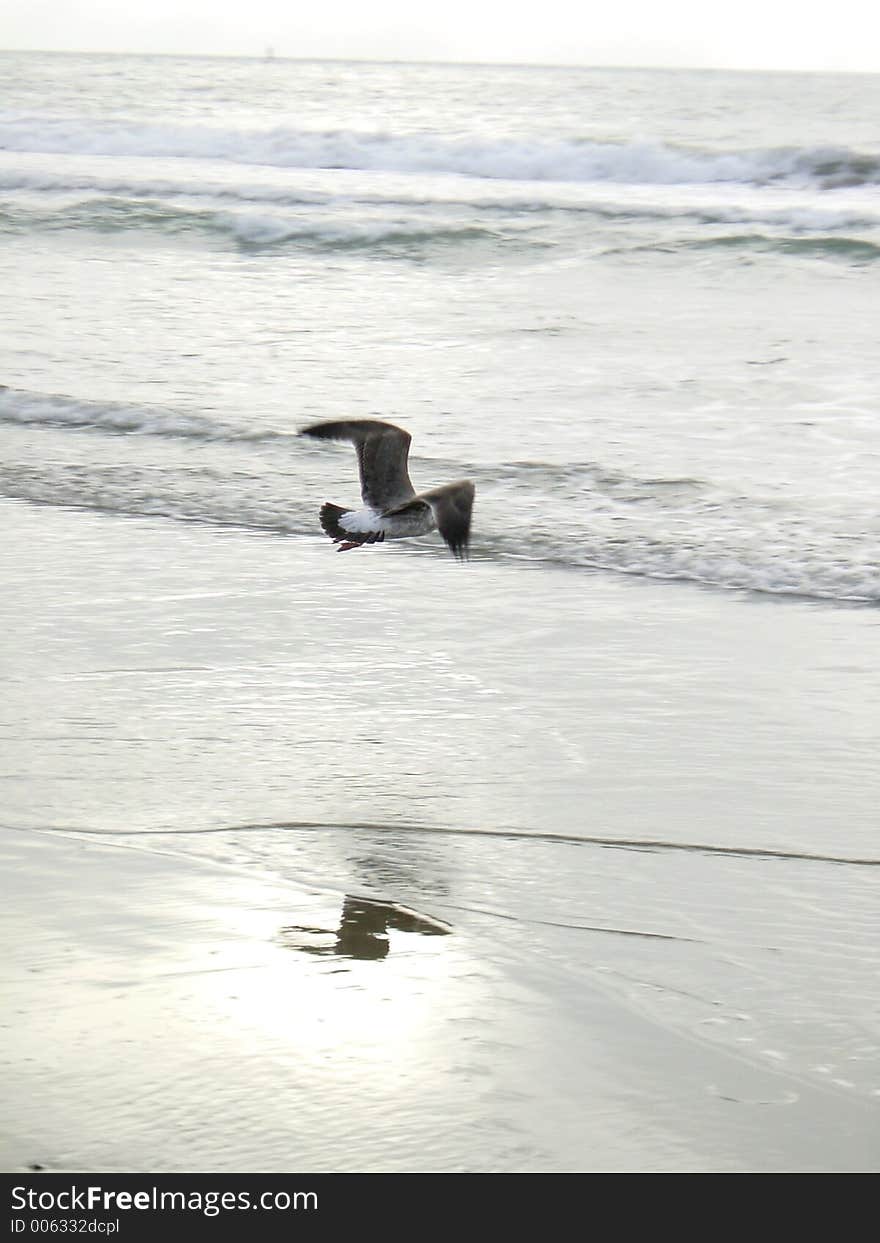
551, 923
512, 834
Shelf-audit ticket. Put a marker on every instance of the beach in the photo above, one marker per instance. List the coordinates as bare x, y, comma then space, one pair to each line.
439, 945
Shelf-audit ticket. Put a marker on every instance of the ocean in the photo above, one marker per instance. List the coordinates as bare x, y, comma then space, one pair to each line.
637, 308
580, 838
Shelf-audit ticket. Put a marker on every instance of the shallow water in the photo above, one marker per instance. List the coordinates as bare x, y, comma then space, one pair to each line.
609, 830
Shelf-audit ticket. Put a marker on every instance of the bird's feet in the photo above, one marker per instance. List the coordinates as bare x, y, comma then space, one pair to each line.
349, 544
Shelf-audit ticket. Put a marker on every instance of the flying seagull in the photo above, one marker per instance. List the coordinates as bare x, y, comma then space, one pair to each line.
392, 508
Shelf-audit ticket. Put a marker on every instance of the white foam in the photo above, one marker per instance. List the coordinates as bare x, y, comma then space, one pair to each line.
19, 406
276, 197
510, 159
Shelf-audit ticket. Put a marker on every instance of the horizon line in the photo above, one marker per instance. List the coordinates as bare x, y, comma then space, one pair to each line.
269, 55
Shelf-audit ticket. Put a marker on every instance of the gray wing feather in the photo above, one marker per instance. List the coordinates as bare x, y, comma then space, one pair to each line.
382, 452
452, 506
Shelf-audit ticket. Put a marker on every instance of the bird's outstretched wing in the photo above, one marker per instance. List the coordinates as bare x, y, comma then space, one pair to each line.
382, 451
452, 505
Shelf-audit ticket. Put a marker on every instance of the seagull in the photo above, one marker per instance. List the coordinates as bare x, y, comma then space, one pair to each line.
392, 508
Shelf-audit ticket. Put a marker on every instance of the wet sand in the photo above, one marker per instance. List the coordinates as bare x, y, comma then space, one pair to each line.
333, 863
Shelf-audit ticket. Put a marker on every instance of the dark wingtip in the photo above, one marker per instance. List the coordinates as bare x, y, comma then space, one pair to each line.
350, 429
455, 523
459, 548
314, 429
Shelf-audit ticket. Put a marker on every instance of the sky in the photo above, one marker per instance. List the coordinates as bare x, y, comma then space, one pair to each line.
734, 34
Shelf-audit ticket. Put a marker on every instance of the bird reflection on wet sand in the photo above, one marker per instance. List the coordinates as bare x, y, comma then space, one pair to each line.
363, 930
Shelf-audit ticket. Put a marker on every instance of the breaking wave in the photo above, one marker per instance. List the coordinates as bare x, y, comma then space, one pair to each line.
55, 410
576, 515
630, 163
276, 218
248, 228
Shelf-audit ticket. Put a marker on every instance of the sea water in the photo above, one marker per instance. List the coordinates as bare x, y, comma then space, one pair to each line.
638, 308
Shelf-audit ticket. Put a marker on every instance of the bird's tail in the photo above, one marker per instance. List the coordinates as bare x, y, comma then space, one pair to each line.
330, 515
